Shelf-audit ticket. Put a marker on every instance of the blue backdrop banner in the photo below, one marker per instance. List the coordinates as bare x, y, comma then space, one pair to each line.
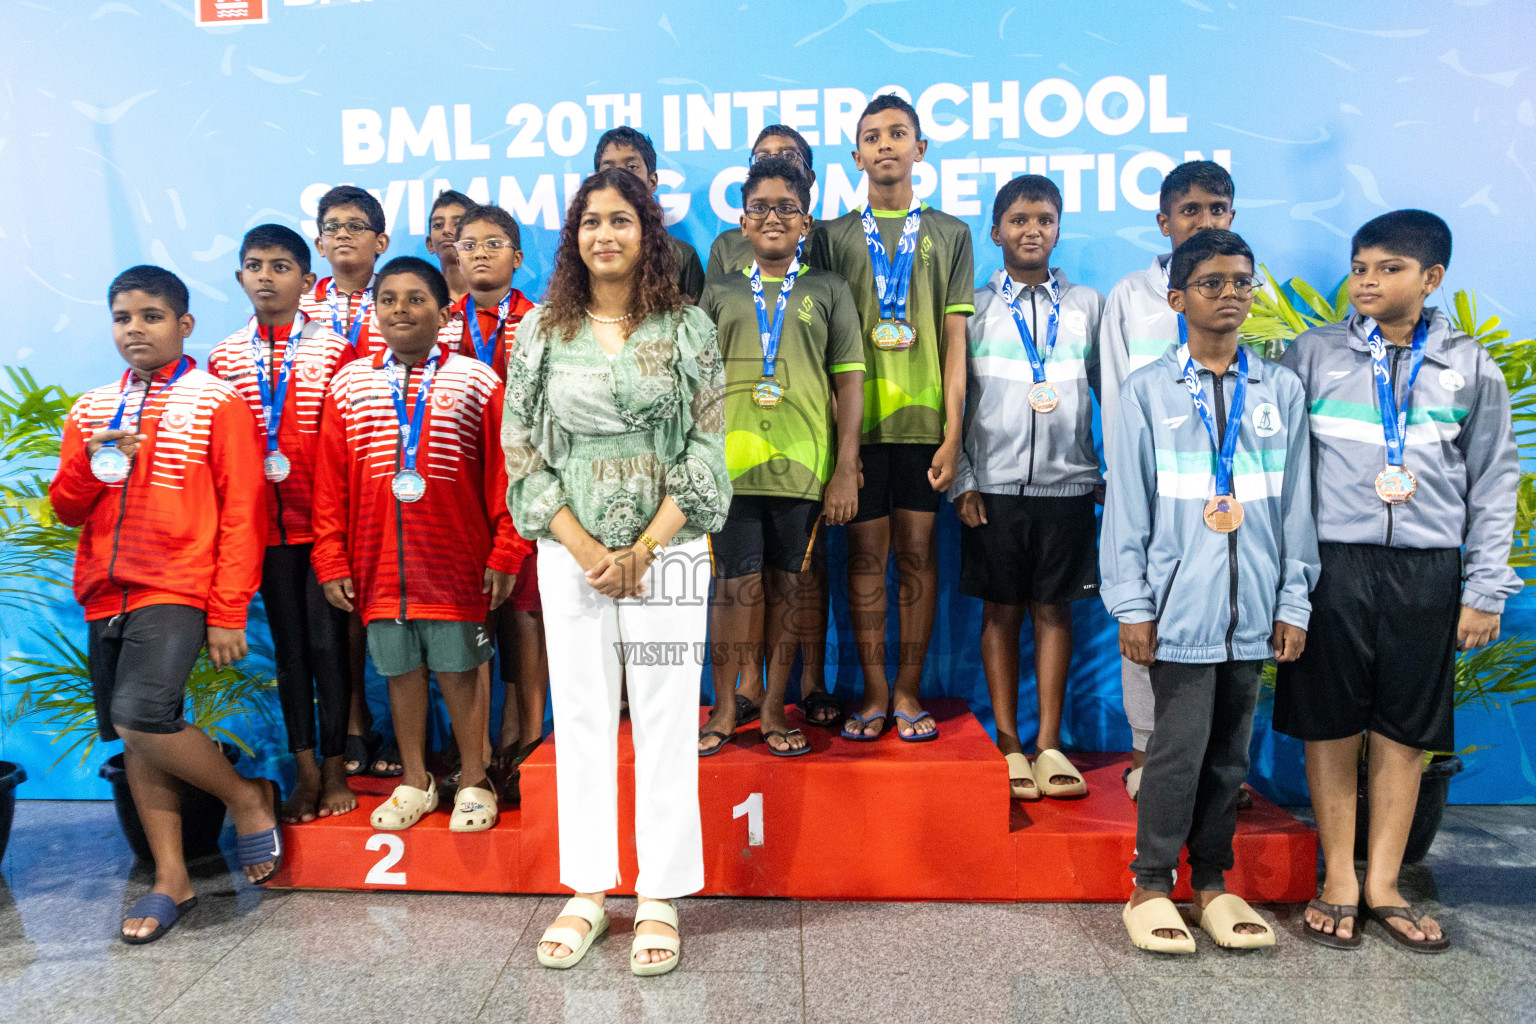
160, 130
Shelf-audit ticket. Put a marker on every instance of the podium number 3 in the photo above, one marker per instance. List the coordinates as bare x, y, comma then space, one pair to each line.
752, 807
394, 848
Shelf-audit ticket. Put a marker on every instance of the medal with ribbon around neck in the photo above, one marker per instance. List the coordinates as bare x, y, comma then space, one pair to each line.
111, 464
408, 485
769, 392
274, 394
1395, 484
1223, 513
1043, 396
894, 333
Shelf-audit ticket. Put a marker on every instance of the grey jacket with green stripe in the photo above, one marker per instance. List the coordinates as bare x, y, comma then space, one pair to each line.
1009, 448
1215, 597
1461, 449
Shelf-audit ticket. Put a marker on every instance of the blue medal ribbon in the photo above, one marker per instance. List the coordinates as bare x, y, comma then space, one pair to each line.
274, 397
1037, 358
1394, 418
771, 333
182, 366
893, 282
1226, 446
355, 324
486, 352
410, 423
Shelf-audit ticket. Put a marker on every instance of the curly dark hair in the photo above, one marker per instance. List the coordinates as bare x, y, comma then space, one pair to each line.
654, 287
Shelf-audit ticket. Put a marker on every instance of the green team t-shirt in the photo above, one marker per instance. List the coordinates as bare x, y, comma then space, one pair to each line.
731, 253
904, 391
790, 450
690, 272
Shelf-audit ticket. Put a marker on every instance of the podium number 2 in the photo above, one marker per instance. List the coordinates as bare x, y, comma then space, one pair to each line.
394, 849
752, 807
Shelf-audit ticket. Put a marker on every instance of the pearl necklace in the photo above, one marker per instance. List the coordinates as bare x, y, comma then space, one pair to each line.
607, 319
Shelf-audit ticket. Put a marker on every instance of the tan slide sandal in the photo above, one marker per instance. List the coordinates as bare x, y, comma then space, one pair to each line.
1223, 914
1049, 763
405, 807
656, 910
578, 944
1145, 919
1019, 772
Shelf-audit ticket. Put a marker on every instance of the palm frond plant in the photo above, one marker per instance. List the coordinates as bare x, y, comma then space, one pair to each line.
1274, 319
35, 547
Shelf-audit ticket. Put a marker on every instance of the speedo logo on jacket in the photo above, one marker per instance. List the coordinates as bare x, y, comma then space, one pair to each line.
1010, 448
1215, 596
1460, 448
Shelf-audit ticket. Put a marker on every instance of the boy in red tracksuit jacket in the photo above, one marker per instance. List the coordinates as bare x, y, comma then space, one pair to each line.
489, 252
412, 528
281, 363
162, 472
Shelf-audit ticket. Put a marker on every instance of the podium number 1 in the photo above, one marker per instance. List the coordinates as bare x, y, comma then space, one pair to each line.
394, 848
752, 807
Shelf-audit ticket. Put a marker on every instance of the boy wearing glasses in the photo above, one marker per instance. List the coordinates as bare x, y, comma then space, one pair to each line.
790, 336
913, 279
1024, 490
489, 252
352, 238
731, 252
1208, 555
1138, 327
625, 148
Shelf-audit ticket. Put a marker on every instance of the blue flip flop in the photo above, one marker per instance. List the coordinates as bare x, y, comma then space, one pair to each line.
164, 910
266, 845
864, 720
917, 737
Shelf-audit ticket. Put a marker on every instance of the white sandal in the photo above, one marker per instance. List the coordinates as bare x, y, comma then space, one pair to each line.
578, 944
405, 807
1018, 772
1157, 914
474, 809
656, 910
1050, 763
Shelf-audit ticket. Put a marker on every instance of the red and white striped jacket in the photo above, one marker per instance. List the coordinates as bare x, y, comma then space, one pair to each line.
322, 352
187, 525
423, 559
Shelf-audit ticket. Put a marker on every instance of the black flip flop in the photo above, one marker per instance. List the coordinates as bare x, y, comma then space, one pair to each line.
820, 701
162, 909
746, 711
712, 751
792, 751
1337, 911
1385, 915
361, 749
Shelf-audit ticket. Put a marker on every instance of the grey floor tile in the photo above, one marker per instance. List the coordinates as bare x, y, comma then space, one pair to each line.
686, 996
1514, 823
896, 996
92, 991
1266, 1001
718, 935
1037, 940
1292, 956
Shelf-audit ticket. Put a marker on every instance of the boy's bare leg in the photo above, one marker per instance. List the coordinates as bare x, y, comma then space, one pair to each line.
303, 804
157, 797
1333, 777
532, 676
1395, 772
781, 640
468, 708
408, 699
1000, 626
813, 604
869, 548
917, 562
1053, 658
735, 632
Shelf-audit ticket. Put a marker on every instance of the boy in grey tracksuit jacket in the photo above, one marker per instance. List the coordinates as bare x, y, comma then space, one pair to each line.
1217, 599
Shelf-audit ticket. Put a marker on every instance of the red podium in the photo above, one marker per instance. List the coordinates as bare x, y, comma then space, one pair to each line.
850, 821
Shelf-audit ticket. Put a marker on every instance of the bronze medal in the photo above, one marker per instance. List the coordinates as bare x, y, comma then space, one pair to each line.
1043, 397
1223, 513
1395, 485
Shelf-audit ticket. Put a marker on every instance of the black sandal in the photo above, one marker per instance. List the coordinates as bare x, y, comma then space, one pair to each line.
746, 711
712, 751
1336, 912
818, 702
388, 754
361, 750
1413, 915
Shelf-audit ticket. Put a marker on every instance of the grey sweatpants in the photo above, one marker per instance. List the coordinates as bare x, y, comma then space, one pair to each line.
1197, 760
1136, 696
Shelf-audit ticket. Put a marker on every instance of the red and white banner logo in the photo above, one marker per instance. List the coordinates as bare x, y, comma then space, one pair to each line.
230, 12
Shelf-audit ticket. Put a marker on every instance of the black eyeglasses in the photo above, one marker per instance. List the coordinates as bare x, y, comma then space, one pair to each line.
351, 227
760, 211
1216, 287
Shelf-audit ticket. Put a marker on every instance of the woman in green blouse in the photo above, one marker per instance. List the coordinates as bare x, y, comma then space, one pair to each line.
615, 453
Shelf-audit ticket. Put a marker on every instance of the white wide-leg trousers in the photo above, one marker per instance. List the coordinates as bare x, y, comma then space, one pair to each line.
664, 631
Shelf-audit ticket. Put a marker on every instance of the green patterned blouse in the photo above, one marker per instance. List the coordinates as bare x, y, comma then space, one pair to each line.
611, 437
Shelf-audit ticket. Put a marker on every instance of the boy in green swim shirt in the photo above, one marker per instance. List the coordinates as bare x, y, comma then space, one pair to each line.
912, 275
790, 335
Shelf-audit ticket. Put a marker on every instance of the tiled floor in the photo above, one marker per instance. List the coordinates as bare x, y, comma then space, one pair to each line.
361, 958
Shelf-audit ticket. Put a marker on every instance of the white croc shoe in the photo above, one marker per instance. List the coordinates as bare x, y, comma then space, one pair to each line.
474, 809
405, 807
